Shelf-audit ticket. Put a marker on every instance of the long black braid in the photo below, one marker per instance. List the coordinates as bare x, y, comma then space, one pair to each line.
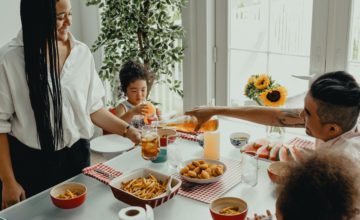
38, 20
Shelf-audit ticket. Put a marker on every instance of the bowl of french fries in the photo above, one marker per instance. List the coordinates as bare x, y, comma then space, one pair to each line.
68, 195
228, 208
202, 171
144, 186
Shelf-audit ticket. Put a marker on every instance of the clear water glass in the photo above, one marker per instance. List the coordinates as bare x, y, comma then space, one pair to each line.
249, 169
174, 157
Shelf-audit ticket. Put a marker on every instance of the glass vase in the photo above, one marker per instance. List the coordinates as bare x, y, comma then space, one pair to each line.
275, 133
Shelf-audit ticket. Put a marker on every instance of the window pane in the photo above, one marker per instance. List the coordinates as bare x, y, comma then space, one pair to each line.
354, 41
269, 36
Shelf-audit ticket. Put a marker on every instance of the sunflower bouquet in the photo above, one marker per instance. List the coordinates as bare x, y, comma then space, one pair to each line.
265, 91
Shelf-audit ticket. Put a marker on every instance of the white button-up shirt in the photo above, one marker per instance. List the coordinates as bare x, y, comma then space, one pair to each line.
82, 93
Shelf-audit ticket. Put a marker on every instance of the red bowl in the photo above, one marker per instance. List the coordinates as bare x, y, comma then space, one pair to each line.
218, 204
70, 203
277, 171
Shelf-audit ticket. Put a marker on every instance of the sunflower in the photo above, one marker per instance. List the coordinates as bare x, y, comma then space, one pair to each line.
251, 80
274, 97
262, 82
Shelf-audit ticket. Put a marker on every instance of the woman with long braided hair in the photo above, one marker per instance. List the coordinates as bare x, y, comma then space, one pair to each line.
50, 97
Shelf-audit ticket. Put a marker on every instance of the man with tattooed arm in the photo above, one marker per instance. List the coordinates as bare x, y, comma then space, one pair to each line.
330, 113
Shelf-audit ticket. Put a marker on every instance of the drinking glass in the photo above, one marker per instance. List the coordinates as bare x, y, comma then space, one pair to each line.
150, 143
174, 156
249, 169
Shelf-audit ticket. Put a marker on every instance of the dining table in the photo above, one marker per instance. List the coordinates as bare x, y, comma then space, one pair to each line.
101, 203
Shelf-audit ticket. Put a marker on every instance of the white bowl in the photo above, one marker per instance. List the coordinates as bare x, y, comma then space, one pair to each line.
239, 139
204, 181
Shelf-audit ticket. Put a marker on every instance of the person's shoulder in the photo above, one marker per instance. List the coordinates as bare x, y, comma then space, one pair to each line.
79, 44
10, 52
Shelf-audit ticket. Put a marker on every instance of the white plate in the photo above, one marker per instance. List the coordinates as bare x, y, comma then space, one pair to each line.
111, 143
204, 181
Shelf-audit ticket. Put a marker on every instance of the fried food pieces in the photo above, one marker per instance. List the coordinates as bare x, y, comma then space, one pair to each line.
145, 188
201, 170
68, 194
230, 210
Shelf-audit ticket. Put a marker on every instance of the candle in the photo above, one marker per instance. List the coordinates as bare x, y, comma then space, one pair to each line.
212, 145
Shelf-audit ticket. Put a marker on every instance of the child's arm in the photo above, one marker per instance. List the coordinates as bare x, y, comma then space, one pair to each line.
127, 116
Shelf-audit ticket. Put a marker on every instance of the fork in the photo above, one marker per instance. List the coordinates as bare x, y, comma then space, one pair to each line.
104, 173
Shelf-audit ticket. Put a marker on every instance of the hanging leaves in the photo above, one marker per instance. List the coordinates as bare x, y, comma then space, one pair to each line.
144, 30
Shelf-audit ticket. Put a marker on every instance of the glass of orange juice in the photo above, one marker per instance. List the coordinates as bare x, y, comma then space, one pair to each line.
150, 143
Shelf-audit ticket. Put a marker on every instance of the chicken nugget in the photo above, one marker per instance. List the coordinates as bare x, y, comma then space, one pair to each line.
219, 171
184, 170
201, 161
191, 166
192, 173
197, 170
196, 163
205, 175
204, 166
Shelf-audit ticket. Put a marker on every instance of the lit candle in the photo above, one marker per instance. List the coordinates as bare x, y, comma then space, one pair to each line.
212, 145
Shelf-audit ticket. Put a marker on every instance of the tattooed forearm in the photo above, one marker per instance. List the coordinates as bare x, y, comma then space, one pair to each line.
290, 118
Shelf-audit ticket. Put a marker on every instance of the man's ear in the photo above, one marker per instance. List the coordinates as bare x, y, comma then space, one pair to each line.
334, 130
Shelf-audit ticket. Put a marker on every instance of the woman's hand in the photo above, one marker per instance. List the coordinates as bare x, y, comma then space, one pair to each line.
134, 135
202, 115
12, 193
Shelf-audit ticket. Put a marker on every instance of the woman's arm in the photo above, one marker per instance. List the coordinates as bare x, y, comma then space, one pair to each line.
262, 115
12, 191
107, 121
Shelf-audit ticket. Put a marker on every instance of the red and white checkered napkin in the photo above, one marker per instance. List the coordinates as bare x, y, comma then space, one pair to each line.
101, 172
187, 136
298, 142
208, 192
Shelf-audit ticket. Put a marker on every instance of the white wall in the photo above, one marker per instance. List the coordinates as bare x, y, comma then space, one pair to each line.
85, 25
9, 20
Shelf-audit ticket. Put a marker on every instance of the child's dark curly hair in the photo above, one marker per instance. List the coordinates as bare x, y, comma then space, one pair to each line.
322, 187
130, 72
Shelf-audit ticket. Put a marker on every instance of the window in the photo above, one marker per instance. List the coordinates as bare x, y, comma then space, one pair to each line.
284, 38
353, 63
269, 36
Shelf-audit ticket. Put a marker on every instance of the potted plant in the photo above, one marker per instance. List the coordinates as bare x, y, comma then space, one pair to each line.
143, 30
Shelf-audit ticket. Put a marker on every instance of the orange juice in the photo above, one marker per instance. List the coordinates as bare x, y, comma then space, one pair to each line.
212, 145
188, 124
151, 113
